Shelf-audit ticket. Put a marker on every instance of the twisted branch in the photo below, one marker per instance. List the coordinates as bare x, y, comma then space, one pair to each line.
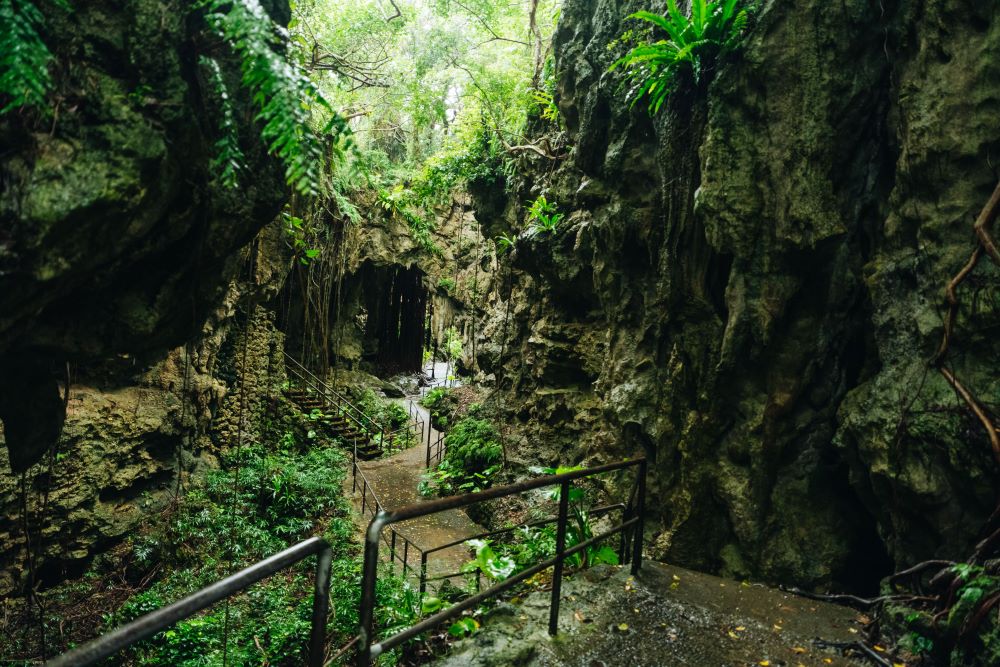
988, 246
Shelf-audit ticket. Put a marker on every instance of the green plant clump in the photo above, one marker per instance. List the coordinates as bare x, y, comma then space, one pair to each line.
472, 457
692, 45
24, 58
544, 216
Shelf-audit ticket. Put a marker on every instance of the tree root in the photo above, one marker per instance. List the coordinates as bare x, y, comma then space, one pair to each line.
860, 647
985, 245
864, 603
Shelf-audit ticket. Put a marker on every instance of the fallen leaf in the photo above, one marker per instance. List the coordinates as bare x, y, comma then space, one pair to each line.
674, 586
740, 628
828, 661
853, 631
880, 649
733, 635
676, 578
798, 649
777, 628
623, 627
764, 663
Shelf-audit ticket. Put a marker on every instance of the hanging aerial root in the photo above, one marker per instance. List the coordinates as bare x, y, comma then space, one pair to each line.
986, 245
991, 429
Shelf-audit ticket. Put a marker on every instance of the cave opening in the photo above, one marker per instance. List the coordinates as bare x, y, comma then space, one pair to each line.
394, 314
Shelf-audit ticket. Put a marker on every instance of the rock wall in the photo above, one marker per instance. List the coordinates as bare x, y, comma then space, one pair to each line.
135, 435
748, 288
114, 237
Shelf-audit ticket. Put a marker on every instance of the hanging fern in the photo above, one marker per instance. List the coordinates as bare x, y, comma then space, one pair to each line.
24, 57
693, 43
284, 96
229, 160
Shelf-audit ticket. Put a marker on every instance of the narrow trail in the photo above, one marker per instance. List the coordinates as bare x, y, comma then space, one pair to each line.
394, 481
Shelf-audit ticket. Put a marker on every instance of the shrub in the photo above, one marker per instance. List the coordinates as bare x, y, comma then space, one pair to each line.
692, 45
472, 456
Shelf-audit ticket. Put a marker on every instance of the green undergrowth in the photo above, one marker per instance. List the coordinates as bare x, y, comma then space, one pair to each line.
263, 498
442, 404
958, 628
390, 414
472, 456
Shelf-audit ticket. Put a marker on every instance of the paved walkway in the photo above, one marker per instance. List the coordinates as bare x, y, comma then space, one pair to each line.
395, 481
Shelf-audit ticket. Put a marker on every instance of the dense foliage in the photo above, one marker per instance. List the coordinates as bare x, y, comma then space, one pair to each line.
262, 499
437, 94
472, 456
692, 44
24, 57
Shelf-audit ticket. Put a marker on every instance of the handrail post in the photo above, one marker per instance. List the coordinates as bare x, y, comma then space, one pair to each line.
560, 548
423, 576
392, 547
641, 514
366, 615
321, 608
428, 464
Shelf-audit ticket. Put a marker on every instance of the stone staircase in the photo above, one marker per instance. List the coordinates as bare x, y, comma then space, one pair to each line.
342, 426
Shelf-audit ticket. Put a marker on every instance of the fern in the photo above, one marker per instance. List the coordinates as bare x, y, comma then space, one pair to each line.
284, 96
229, 160
24, 57
713, 29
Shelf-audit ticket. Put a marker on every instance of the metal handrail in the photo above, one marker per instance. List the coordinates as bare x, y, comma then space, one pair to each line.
368, 650
426, 554
303, 373
435, 450
374, 510
151, 623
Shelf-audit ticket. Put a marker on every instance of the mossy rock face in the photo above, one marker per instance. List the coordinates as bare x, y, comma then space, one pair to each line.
114, 237
760, 273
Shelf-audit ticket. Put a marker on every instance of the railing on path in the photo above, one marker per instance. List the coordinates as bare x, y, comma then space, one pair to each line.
632, 522
435, 449
148, 625
372, 506
160, 619
377, 431
425, 555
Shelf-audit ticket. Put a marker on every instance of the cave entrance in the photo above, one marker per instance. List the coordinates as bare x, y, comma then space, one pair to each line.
395, 312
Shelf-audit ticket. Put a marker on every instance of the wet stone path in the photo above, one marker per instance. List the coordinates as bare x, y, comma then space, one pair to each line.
664, 617
394, 481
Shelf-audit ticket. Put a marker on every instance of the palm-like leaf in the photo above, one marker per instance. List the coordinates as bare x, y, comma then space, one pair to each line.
713, 29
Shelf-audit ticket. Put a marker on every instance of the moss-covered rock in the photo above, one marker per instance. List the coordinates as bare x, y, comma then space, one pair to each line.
748, 288
115, 239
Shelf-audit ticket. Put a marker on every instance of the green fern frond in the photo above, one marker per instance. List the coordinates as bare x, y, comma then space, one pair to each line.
713, 29
229, 159
284, 95
24, 58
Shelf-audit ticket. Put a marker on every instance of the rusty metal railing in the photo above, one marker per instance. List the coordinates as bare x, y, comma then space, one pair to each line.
633, 522
372, 506
160, 619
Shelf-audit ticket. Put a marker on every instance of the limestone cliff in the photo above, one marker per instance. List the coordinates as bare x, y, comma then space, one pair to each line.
749, 286
113, 236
